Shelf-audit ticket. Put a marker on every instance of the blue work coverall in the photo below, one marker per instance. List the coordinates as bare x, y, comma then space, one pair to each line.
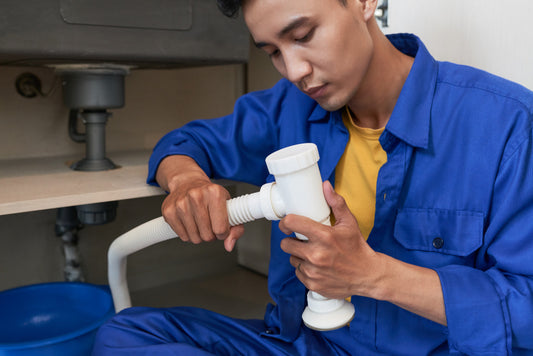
456, 196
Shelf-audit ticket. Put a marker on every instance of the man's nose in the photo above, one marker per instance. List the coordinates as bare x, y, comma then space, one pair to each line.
296, 68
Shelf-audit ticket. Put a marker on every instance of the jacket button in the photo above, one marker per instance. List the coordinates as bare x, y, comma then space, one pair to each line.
438, 242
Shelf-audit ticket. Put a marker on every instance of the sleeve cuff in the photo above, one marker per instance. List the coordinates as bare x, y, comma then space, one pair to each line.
162, 150
478, 319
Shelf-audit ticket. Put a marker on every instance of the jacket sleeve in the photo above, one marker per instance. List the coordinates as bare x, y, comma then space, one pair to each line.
490, 310
230, 147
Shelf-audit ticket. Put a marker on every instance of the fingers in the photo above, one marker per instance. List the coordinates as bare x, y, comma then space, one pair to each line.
218, 214
338, 205
173, 218
199, 214
298, 251
308, 227
324, 263
302, 225
235, 233
296, 262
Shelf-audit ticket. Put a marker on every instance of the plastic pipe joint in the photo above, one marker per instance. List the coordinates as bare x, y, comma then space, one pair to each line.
297, 190
299, 182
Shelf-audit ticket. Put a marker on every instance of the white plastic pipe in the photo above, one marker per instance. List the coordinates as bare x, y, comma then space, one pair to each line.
147, 234
242, 209
298, 190
298, 178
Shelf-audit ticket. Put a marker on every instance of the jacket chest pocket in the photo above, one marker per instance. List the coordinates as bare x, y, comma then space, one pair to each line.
449, 232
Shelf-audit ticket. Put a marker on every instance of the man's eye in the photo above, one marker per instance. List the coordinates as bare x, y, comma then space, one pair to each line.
274, 53
307, 36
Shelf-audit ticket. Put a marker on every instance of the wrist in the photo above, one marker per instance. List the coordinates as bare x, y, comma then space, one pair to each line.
381, 286
174, 171
413, 288
183, 178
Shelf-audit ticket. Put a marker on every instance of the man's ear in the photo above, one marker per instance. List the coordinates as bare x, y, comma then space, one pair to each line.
369, 8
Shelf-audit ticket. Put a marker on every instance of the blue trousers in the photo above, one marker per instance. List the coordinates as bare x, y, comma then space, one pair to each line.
198, 332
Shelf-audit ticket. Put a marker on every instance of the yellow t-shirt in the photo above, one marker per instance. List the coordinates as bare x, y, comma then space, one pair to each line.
356, 173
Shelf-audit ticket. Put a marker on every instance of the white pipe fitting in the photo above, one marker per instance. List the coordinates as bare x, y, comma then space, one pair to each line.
298, 190
266, 203
298, 178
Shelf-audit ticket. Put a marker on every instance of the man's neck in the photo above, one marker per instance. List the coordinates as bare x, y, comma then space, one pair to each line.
375, 99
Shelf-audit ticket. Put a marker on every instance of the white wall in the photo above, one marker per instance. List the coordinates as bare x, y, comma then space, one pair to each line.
493, 35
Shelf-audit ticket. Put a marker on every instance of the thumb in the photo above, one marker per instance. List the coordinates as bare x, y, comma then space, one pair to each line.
229, 243
235, 233
338, 205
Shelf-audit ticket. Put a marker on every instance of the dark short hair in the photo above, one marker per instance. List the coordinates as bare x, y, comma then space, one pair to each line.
230, 8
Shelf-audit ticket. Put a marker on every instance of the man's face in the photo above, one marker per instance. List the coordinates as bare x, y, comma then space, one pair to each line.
321, 46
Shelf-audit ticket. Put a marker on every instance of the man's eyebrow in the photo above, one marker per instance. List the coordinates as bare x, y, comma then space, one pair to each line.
297, 22
260, 44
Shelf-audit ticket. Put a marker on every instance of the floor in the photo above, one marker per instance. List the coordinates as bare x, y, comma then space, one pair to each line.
241, 293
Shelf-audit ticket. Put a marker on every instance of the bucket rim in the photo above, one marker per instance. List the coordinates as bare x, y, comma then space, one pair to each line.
67, 336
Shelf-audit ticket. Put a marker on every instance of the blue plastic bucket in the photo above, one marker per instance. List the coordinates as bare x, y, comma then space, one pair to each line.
52, 318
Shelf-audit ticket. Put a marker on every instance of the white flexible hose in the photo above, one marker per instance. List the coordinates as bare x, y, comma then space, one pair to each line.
147, 234
242, 209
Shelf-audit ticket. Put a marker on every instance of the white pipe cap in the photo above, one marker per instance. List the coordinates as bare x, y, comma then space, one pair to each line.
293, 158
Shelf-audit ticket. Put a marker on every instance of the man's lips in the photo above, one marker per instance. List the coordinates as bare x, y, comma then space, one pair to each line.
316, 92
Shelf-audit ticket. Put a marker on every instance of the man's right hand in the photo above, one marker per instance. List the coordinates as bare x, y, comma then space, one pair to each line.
195, 207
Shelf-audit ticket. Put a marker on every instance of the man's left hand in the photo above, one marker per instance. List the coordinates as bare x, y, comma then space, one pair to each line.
336, 261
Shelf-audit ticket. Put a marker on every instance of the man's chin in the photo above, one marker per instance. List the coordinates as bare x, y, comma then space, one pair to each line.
329, 106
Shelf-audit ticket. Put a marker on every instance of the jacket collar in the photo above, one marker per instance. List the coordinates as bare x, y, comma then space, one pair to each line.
410, 118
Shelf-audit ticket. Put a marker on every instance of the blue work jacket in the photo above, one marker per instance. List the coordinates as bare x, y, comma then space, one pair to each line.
456, 196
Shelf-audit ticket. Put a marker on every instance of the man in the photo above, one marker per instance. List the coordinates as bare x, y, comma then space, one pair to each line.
433, 240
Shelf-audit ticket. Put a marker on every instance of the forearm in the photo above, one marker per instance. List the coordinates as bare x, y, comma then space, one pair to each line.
195, 207
416, 289
175, 169
337, 262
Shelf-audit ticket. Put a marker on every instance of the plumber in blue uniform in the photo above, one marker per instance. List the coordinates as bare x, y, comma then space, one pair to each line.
428, 170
